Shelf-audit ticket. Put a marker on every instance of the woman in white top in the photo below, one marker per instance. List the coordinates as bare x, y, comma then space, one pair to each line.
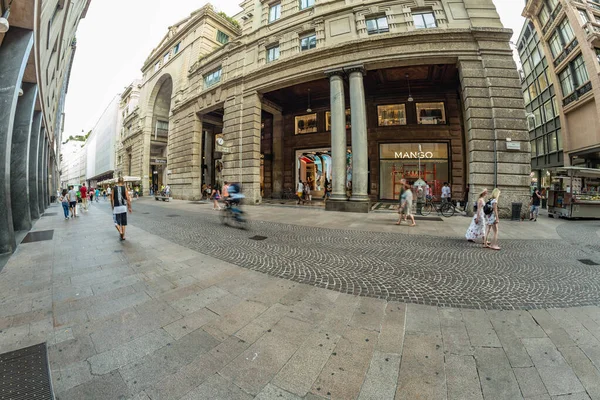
491, 221
477, 228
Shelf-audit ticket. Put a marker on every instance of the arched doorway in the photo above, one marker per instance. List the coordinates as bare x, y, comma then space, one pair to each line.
159, 138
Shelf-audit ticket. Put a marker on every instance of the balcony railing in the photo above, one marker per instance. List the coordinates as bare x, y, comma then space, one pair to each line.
577, 94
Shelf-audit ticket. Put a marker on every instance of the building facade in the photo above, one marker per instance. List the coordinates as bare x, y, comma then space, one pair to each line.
570, 33
36, 53
145, 145
101, 144
542, 107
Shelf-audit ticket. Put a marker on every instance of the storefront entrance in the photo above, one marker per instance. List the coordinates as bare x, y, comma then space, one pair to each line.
313, 168
411, 161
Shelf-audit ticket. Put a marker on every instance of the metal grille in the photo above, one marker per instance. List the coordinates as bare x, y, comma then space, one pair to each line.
24, 374
38, 236
587, 261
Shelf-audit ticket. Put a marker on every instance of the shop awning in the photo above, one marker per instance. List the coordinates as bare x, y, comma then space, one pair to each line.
578, 171
132, 178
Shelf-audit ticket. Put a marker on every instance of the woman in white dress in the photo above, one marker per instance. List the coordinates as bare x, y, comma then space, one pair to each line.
491, 221
477, 228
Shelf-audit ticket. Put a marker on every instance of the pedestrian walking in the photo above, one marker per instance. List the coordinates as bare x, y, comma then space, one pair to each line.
534, 209
307, 195
477, 228
300, 191
215, 196
121, 204
84, 194
64, 200
92, 192
97, 195
406, 205
72, 195
446, 195
491, 220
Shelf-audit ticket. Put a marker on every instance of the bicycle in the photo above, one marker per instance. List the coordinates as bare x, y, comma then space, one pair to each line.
446, 208
233, 216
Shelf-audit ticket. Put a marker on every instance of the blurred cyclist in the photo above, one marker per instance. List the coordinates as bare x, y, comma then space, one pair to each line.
235, 198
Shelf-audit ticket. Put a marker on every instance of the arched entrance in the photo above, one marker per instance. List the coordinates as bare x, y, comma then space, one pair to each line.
159, 137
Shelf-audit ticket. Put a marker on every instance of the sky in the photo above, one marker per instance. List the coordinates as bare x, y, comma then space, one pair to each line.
116, 37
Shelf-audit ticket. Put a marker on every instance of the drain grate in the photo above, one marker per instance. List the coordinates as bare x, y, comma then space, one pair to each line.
24, 374
587, 261
146, 213
258, 237
50, 215
173, 215
38, 236
198, 202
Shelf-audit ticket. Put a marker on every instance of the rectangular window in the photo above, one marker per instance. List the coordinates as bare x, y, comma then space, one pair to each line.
377, 25
583, 15
272, 53
390, 115
559, 139
551, 4
222, 37
424, 20
212, 78
308, 42
306, 124
543, 81
176, 48
526, 96
157, 66
306, 4
543, 15
166, 58
533, 93
274, 12
541, 148
533, 149
555, 45
535, 57
431, 113
537, 116
161, 130
581, 75
328, 120
552, 145
566, 32
597, 53
526, 66
548, 111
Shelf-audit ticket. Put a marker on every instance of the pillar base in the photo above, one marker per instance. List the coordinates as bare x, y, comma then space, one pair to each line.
363, 197
348, 206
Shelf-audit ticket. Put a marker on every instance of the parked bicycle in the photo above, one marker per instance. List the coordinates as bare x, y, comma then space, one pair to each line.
445, 208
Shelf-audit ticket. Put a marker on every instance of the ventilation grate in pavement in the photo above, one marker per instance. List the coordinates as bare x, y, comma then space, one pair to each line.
38, 236
24, 374
198, 202
587, 261
146, 213
50, 215
257, 237
173, 215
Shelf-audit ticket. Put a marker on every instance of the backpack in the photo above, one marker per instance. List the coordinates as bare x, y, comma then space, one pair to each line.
488, 208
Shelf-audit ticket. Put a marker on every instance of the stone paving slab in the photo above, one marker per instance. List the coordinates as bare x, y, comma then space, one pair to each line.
118, 333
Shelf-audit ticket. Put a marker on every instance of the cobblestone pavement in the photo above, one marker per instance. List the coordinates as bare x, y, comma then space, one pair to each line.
148, 319
440, 271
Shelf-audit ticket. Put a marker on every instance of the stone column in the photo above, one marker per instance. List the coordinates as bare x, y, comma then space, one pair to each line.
14, 53
40, 175
34, 144
338, 136
19, 158
360, 149
208, 157
45, 174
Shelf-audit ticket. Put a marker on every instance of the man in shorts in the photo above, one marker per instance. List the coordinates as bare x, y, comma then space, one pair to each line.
83, 191
120, 202
72, 196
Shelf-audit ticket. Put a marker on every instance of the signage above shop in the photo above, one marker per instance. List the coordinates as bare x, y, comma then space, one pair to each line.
158, 161
413, 154
414, 151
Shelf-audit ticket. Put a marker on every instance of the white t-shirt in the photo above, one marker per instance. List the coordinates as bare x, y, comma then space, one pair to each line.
445, 192
300, 187
72, 195
108, 191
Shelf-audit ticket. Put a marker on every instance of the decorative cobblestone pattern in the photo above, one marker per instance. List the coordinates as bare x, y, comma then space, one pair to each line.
414, 269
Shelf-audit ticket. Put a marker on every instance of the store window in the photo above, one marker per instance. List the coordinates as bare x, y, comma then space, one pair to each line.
583, 15
212, 78
548, 111
401, 161
272, 53
431, 113
274, 12
543, 81
377, 25
328, 120
306, 124
541, 150
313, 168
308, 42
306, 4
424, 20
393, 114
552, 145
533, 149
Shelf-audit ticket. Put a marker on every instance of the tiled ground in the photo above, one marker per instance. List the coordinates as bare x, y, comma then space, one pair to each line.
150, 319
